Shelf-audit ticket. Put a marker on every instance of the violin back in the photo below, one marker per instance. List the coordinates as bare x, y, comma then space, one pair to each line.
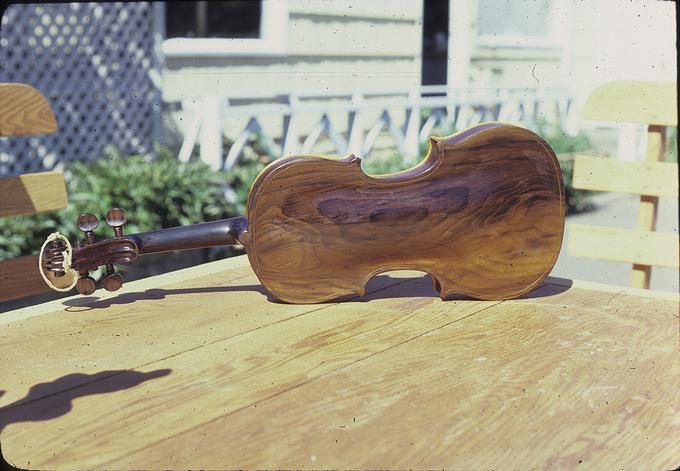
483, 214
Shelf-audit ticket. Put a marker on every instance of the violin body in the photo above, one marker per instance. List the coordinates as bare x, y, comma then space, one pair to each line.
483, 214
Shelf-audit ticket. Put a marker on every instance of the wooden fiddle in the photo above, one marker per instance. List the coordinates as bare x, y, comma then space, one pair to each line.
483, 214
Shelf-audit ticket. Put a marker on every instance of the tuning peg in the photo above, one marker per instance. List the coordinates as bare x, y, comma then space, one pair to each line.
85, 285
88, 223
112, 281
116, 218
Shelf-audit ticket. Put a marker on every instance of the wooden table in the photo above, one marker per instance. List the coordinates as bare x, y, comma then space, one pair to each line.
197, 369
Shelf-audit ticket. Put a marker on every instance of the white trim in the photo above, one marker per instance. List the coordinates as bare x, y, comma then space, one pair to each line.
273, 40
508, 40
460, 46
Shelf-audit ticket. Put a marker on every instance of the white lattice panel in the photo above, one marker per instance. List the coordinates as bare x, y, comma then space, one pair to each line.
94, 63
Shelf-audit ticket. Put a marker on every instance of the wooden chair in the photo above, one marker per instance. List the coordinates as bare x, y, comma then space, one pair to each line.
24, 111
653, 104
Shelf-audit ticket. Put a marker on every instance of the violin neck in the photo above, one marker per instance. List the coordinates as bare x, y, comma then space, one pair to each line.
195, 236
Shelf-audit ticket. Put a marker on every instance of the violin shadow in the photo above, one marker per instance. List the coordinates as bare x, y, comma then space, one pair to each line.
379, 287
423, 287
93, 302
551, 286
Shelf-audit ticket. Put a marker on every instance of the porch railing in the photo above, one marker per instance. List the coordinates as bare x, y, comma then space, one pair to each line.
400, 115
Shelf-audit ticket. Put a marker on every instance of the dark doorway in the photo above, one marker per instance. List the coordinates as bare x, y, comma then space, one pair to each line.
435, 41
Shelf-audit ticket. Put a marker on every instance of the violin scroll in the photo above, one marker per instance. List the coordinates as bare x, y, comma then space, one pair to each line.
91, 254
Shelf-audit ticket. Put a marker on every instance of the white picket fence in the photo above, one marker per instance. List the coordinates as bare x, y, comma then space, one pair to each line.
398, 114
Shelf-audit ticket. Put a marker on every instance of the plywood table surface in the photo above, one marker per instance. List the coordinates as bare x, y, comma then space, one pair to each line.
198, 369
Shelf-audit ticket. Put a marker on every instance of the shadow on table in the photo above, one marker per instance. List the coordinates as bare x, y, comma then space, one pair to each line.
92, 302
378, 288
550, 287
60, 393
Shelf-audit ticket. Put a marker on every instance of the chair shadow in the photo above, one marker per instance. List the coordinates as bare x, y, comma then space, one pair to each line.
377, 288
62, 391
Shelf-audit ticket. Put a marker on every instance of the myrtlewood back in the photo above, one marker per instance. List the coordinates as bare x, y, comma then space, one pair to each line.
483, 214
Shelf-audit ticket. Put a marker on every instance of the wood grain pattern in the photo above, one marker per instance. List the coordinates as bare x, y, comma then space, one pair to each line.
639, 178
24, 110
32, 193
204, 373
314, 343
483, 214
226, 294
627, 101
590, 378
19, 277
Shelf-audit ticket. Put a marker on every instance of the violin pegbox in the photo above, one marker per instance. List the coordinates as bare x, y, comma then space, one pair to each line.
90, 254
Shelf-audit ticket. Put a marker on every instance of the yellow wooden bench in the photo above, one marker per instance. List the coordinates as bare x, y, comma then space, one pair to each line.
25, 111
653, 104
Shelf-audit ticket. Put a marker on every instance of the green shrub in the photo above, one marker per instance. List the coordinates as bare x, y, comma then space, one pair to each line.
157, 193
577, 200
256, 155
389, 164
560, 141
564, 143
672, 145
393, 162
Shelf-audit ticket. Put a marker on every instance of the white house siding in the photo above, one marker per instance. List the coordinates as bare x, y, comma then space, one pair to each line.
332, 48
497, 63
510, 68
617, 40
593, 43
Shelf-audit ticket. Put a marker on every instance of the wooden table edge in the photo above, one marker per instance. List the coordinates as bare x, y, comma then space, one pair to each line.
607, 288
218, 266
164, 279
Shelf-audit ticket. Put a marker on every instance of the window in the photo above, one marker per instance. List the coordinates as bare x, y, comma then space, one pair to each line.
531, 23
236, 19
435, 48
225, 28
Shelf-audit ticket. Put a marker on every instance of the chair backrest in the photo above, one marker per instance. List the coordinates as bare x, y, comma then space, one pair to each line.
25, 111
653, 104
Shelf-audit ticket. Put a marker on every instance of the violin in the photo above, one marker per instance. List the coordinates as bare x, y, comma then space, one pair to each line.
482, 213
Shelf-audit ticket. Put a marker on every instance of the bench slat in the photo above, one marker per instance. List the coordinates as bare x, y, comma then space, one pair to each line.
24, 111
652, 103
640, 178
623, 245
20, 277
32, 193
